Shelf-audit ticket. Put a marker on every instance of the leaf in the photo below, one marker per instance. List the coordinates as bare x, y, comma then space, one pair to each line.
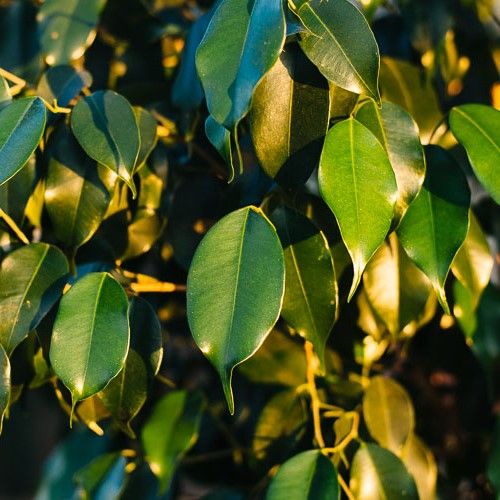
220, 138
476, 127
339, 41
170, 432
396, 288
31, 281
388, 413
242, 42
474, 262
91, 320
5, 384
378, 474
307, 475
421, 464
289, 118
76, 197
21, 127
408, 86
357, 182
237, 269
398, 133
308, 308
5, 97
105, 126
435, 225
126, 394
62, 83
147, 134
67, 28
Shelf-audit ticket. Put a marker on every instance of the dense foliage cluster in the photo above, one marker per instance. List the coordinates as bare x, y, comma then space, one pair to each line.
293, 200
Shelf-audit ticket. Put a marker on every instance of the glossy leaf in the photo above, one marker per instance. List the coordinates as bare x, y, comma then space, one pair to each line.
378, 474
476, 127
388, 413
407, 85
31, 281
220, 138
242, 42
339, 41
396, 288
67, 28
474, 262
5, 384
21, 127
105, 126
90, 339
309, 474
398, 133
76, 198
308, 308
435, 225
357, 182
289, 118
126, 394
147, 135
169, 433
237, 269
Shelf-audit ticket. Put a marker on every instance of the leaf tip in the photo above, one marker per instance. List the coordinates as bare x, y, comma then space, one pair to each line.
228, 390
441, 295
358, 272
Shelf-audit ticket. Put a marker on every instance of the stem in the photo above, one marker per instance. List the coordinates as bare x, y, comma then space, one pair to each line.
160, 287
19, 83
14, 227
346, 489
313, 392
55, 108
166, 381
353, 434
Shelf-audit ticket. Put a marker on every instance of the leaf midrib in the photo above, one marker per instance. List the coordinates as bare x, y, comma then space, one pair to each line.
476, 124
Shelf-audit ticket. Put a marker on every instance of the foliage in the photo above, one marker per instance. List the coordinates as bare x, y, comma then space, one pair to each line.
298, 191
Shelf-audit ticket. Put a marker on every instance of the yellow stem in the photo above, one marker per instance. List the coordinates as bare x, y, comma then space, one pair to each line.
160, 287
346, 489
353, 434
19, 83
55, 108
165, 381
14, 227
313, 392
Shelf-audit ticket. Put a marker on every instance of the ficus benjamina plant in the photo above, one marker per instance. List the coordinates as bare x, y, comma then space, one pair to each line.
248, 248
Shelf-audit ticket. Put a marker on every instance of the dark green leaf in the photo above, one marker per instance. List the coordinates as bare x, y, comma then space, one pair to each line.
435, 225
105, 126
476, 127
308, 475
378, 474
358, 184
90, 339
147, 134
31, 281
308, 308
289, 118
21, 127
237, 269
220, 138
67, 28
339, 41
5, 384
169, 433
242, 42
398, 133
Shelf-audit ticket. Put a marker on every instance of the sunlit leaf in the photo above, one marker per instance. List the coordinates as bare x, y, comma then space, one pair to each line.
5, 384
147, 134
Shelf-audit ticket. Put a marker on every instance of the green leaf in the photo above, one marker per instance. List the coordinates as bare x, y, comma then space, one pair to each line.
220, 138
396, 288
476, 127
408, 86
308, 308
21, 127
357, 182
339, 41
388, 413
237, 269
147, 134
126, 394
435, 225
31, 281
242, 42
307, 475
289, 118
105, 126
169, 433
378, 474
91, 320
474, 262
67, 28
398, 133
5, 384
76, 198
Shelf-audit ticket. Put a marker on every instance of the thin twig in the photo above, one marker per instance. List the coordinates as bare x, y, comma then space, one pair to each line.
346, 489
14, 227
